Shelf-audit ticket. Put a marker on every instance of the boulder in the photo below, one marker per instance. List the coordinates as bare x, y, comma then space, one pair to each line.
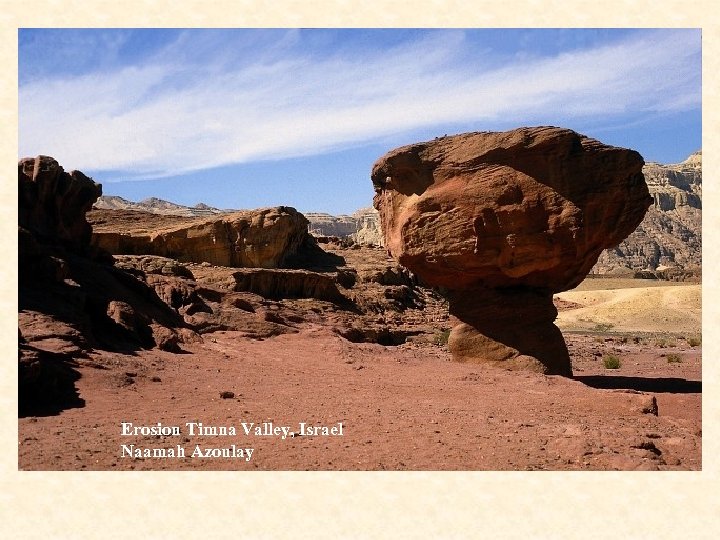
261, 238
501, 221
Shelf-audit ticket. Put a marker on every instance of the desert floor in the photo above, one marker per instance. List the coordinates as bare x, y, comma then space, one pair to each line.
405, 407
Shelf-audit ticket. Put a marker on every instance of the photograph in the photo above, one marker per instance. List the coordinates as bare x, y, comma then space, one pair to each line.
359, 249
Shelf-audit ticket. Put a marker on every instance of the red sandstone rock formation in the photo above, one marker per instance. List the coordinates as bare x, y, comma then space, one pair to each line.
52, 203
502, 221
71, 299
261, 238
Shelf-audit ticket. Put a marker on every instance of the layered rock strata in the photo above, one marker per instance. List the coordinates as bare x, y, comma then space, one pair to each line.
261, 238
669, 239
501, 222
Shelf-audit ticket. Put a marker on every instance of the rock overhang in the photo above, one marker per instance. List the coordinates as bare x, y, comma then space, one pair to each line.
501, 221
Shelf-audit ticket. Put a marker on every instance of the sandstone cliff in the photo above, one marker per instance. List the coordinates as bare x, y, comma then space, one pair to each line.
321, 224
368, 231
362, 227
670, 236
261, 238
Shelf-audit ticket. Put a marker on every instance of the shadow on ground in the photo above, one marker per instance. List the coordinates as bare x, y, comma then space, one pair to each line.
46, 383
642, 384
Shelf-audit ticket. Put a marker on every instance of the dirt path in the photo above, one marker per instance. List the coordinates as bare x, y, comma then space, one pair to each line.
404, 407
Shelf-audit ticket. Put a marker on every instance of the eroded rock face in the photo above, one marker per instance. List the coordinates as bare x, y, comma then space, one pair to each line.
502, 221
279, 284
71, 298
52, 203
670, 236
261, 238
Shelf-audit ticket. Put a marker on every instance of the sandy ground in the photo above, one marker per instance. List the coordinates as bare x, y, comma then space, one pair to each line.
405, 407
667, 309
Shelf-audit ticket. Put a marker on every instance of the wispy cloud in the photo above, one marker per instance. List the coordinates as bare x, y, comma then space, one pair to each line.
227, 98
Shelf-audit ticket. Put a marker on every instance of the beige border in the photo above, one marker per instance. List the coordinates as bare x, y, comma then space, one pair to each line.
399, 505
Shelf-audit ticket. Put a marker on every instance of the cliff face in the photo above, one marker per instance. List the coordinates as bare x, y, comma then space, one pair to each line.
368, 231
670, 236
261, 238
363, 226
327, 225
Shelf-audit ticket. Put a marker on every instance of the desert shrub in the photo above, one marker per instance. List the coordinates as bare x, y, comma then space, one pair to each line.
694, 341
441, 338
603, 327
599, 339
610, 361
674, 358
661, 342
672, 342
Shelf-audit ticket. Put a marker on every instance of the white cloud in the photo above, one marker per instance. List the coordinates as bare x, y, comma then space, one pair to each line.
184, 112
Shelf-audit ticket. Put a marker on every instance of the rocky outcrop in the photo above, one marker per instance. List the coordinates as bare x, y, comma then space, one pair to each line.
362, 227
261, 238
321, 224
71, 298
278, 284
502, 221
670, 236
52, 203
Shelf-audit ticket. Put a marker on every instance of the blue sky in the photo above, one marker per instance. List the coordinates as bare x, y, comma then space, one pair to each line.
244, 118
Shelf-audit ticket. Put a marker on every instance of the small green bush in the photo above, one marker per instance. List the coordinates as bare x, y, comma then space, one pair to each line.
694, 341
673, 358
661, 342
610, 361
441, 338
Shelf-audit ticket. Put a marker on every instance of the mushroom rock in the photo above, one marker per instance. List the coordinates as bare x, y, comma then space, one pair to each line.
501, 222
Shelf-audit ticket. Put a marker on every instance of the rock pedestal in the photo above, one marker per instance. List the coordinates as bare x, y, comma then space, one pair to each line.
502, 221
509, 328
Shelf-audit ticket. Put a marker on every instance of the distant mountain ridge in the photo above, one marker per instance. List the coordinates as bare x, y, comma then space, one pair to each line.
156, 206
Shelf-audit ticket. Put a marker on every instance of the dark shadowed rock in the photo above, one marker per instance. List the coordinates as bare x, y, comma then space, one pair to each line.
52, 203
71, 298
46, 382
